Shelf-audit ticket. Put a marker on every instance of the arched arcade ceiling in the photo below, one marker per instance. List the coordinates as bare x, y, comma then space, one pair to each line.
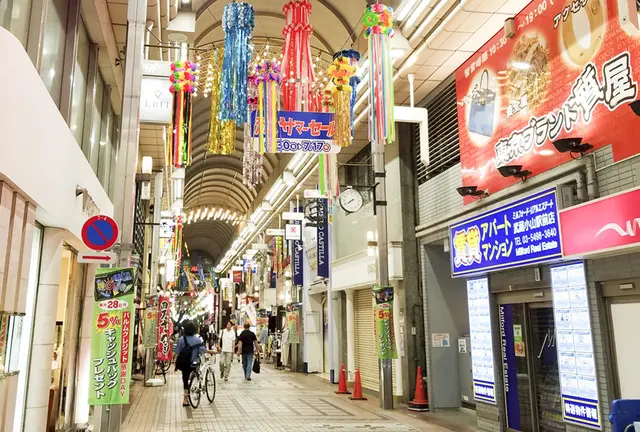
214, 180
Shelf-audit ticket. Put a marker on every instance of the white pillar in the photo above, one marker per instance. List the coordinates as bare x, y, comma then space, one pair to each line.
351, 335
43, 331
84, 355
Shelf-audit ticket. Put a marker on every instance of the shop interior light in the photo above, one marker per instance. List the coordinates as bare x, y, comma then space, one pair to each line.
404, 9
434, 14
418, 11
274, 191
289, 178
147, 164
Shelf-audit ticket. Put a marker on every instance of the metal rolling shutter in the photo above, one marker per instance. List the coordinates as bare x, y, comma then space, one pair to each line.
366, 354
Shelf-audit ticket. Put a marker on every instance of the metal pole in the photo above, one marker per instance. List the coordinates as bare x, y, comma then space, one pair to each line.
382, 258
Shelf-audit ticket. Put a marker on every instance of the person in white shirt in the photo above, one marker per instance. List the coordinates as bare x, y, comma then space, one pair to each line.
226, 346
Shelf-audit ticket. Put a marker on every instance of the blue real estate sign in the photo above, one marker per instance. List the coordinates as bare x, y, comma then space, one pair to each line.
521, 233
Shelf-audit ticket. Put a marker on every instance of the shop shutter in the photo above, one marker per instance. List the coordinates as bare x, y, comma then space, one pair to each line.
366, 355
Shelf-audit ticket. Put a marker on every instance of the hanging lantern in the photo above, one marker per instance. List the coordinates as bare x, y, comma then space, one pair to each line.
341, 72
268, 82
219, 142
297, 64
378, 29
183, 84
237, 23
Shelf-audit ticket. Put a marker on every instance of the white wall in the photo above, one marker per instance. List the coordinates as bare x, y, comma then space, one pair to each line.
38, 153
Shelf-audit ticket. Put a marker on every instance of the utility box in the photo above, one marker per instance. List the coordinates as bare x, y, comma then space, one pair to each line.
465, 372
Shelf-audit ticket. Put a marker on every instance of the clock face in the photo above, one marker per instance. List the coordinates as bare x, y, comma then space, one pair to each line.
351, 200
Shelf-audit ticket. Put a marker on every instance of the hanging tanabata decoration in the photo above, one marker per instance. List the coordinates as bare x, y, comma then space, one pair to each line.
268, 82
354, 58
237, 23
251, 159
219, 140
341, 72
297, 70
378, 29
182, 79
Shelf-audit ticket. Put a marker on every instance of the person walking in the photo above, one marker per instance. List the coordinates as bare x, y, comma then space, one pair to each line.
189, 348
247, 345
226, 345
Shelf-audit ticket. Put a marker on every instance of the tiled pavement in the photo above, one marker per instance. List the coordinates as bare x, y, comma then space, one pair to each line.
272, 401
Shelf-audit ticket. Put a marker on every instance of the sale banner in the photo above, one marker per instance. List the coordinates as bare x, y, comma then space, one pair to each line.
150, 327
113, 317
293, 324
383, 323
164, 350
570, 71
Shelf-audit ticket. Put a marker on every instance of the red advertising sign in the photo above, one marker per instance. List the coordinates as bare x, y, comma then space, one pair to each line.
569, 72
606, 224
165, 328
237, 276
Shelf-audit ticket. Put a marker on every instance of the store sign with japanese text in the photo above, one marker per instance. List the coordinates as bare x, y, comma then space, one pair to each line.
479, 303
165, 329
523, 232
113, 317
609, 224
150, 327
307, 132
569, 72
574, 346
293, 325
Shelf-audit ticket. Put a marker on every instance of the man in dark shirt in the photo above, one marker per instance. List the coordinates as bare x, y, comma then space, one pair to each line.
247, 344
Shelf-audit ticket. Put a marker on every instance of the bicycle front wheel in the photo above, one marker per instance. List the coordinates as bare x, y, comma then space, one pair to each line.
210, 385
194, 389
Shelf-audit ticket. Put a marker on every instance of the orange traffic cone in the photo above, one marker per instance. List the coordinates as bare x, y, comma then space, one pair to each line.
342, 383
420, 402
357, 388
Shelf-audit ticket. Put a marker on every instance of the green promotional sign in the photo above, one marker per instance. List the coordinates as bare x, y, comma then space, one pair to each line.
384, 333
113, 317
150, 327
293, 322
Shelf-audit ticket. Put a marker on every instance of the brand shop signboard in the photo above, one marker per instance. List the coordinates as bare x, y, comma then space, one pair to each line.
605, 225
569, 72
523, 232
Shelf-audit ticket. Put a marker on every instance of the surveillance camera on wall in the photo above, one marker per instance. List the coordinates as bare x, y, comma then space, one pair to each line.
514, 171
571, 145
472, 191
635, 107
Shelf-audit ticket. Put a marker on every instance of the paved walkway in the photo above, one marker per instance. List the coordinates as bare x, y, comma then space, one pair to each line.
272, 401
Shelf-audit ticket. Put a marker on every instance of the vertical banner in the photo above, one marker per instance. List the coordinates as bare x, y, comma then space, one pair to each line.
165, 328
150, 327
576, 360
112, 332
298, 254
383, 328
323, 239
293, 324
250, 309
484, 382
273, 276
509, 369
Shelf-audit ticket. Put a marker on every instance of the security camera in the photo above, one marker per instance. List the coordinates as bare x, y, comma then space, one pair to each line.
514, 171
572, 146
471, 191
635, 107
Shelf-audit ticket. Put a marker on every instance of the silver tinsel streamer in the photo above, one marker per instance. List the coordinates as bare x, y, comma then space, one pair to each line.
251, 159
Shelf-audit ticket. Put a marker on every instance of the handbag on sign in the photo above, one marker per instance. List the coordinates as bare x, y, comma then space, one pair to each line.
481, 114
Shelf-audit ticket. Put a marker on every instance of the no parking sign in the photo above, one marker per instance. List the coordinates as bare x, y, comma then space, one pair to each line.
100, 233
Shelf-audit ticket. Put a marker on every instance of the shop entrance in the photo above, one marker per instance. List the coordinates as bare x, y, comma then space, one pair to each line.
529, 365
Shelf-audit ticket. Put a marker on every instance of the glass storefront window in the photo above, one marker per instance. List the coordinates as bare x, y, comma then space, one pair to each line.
94, 144
115, 147
14, 16
106, 148
79, 95
53, 44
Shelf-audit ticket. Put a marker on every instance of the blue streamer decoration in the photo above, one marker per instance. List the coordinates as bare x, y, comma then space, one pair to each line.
238, 21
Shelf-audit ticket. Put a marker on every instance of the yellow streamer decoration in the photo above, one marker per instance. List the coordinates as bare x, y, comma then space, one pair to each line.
274, 117
219, 142
341, 72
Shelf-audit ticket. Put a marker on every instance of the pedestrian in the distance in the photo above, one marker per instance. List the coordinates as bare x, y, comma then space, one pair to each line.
247, 345
225, 346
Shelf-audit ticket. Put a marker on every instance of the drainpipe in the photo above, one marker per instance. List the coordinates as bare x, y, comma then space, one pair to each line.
581, 189
592, 180
147, 38
412, 96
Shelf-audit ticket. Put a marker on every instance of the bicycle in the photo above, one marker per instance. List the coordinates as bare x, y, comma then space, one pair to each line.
203, 369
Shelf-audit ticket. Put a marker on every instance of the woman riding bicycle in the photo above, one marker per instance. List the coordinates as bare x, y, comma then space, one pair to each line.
189, 342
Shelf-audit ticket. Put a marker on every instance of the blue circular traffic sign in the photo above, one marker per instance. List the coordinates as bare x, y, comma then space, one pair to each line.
100, 233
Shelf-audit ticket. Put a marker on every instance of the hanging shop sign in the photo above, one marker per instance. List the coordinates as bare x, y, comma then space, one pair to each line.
608, 224
156, 101
99, 232
113, 316
293, 232
521, 233
237, 276
383, 325
307, 132
509, 369
576, 360
150, 327
323, 240
165, 329
297, 263
484, 384
554, 79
